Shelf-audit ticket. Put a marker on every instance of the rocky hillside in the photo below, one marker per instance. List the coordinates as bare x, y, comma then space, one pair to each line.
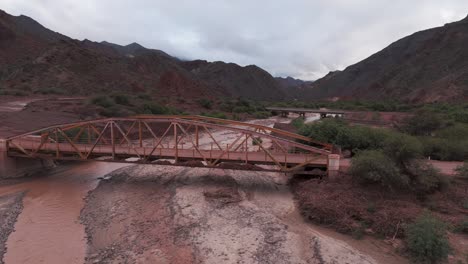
249, 81
294, 87
34, 59
427, 66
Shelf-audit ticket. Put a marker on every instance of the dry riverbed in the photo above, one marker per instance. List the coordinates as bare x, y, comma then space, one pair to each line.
163, 214
10, 207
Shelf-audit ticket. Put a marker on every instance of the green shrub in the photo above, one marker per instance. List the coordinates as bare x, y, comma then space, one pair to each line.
423, 123
427, 239
455, 132
215, 115
145, 97
462, 171
121, 99
443, 149
373, 166
262, 114
353, 138
49, 91
257, 141
103, 101
402, 148
241, 109
205, 103
298, 122
426, 178
463, 226
113, 111
154, 109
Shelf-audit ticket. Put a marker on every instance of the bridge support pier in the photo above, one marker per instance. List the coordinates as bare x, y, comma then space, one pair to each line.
333, 166
19, 167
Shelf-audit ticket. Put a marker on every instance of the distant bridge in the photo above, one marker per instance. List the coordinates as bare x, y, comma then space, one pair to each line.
175, 140
302, 111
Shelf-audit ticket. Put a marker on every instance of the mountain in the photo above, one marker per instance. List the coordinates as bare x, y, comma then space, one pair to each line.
427, 66
250, 81
293, 87
34, 59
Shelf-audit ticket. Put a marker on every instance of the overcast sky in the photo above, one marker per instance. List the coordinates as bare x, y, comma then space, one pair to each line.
300, 38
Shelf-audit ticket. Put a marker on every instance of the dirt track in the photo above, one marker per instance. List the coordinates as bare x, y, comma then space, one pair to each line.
160, 214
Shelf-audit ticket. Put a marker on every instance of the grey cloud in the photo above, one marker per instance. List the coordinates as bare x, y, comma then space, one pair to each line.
301, 38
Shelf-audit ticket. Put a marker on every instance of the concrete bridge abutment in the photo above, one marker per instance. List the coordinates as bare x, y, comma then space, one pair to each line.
16, 167
333, 166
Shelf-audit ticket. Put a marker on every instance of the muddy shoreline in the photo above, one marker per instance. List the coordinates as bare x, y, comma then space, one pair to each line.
11, 206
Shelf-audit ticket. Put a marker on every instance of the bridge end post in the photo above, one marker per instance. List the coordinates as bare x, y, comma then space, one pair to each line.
14, 167
333, 166
6, 163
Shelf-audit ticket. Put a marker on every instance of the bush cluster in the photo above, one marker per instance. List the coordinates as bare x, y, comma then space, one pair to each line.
373, 166
241, 105
215, 115
427, 239
447, 143
205, 103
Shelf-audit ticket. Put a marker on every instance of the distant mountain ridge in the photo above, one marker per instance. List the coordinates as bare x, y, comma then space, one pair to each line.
35, 59
427, 66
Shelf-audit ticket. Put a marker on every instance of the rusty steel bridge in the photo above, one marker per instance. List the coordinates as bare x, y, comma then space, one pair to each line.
176, 140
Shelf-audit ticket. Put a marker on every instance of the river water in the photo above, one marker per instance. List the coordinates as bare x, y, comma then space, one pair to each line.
48, 229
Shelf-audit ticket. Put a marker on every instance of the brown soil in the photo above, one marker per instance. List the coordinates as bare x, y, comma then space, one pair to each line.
10, 207
370, 210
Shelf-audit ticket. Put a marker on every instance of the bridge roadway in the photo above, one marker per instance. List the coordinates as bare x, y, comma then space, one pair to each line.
68, 152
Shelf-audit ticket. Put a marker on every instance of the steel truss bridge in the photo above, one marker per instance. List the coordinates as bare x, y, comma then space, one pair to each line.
174, 140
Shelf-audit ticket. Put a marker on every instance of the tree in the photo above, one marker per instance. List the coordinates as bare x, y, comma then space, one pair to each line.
423, 123
402, 148
427, 239
373, 166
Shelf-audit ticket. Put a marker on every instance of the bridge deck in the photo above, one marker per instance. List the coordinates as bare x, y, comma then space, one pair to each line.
69, 152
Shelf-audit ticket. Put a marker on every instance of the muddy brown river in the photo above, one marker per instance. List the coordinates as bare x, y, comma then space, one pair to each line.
48, 229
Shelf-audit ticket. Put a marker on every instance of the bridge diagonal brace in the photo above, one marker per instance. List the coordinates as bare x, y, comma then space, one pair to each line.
159, 141
126, 138
71, 143
22, 149
128, 132
229, 148
183, 135
77, 136
150, 130
281, 167
100, 133
44, 138
97, 140
211, 136
193, 143
279, 145
243, 141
